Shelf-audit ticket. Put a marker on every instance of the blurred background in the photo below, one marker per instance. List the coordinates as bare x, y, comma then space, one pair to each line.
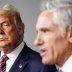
29, 11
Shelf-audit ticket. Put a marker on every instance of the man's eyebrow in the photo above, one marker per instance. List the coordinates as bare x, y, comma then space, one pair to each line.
3, 22
45, 29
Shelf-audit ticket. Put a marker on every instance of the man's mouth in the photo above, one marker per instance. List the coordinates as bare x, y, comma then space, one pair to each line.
42, 51
1, 39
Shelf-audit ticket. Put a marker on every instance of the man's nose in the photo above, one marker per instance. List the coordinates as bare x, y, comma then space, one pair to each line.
38, 40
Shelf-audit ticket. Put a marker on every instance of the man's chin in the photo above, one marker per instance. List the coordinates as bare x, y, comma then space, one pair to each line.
3, 45
44, 61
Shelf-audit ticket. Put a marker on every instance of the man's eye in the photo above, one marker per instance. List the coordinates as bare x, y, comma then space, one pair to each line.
44, 30
6, 24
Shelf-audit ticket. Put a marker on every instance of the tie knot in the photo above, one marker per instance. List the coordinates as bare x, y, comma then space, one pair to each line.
4, 58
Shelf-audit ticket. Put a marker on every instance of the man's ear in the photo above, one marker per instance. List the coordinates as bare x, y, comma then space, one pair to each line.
21, 29
69, 33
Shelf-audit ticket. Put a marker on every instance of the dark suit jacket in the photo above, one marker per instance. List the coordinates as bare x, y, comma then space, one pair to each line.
30, 61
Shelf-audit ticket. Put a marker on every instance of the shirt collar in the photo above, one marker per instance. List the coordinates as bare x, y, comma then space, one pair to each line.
67, 67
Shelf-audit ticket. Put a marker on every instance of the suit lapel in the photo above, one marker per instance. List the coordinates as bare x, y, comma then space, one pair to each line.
22, 61
52, 68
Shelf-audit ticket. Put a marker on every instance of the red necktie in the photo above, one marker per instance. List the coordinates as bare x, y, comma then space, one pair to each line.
3, 63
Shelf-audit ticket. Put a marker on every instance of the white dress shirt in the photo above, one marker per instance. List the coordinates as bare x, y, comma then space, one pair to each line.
67, 67
12, 56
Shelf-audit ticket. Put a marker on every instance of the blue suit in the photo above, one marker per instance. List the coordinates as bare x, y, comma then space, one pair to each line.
30, 61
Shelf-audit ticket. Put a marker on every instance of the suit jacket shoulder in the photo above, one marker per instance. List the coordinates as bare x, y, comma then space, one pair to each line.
30, 61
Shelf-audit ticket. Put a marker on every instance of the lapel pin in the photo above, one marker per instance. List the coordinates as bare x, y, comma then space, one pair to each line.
20, 66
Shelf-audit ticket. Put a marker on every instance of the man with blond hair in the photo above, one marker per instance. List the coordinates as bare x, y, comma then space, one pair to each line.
16, 56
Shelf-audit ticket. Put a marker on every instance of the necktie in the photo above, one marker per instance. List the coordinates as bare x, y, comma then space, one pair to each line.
3, 63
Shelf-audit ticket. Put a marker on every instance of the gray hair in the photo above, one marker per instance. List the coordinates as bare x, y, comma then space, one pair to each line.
10, 10
62, 12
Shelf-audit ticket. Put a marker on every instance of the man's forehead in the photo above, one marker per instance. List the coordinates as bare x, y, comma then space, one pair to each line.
5, 18
46, 13
45, 17
45, 20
